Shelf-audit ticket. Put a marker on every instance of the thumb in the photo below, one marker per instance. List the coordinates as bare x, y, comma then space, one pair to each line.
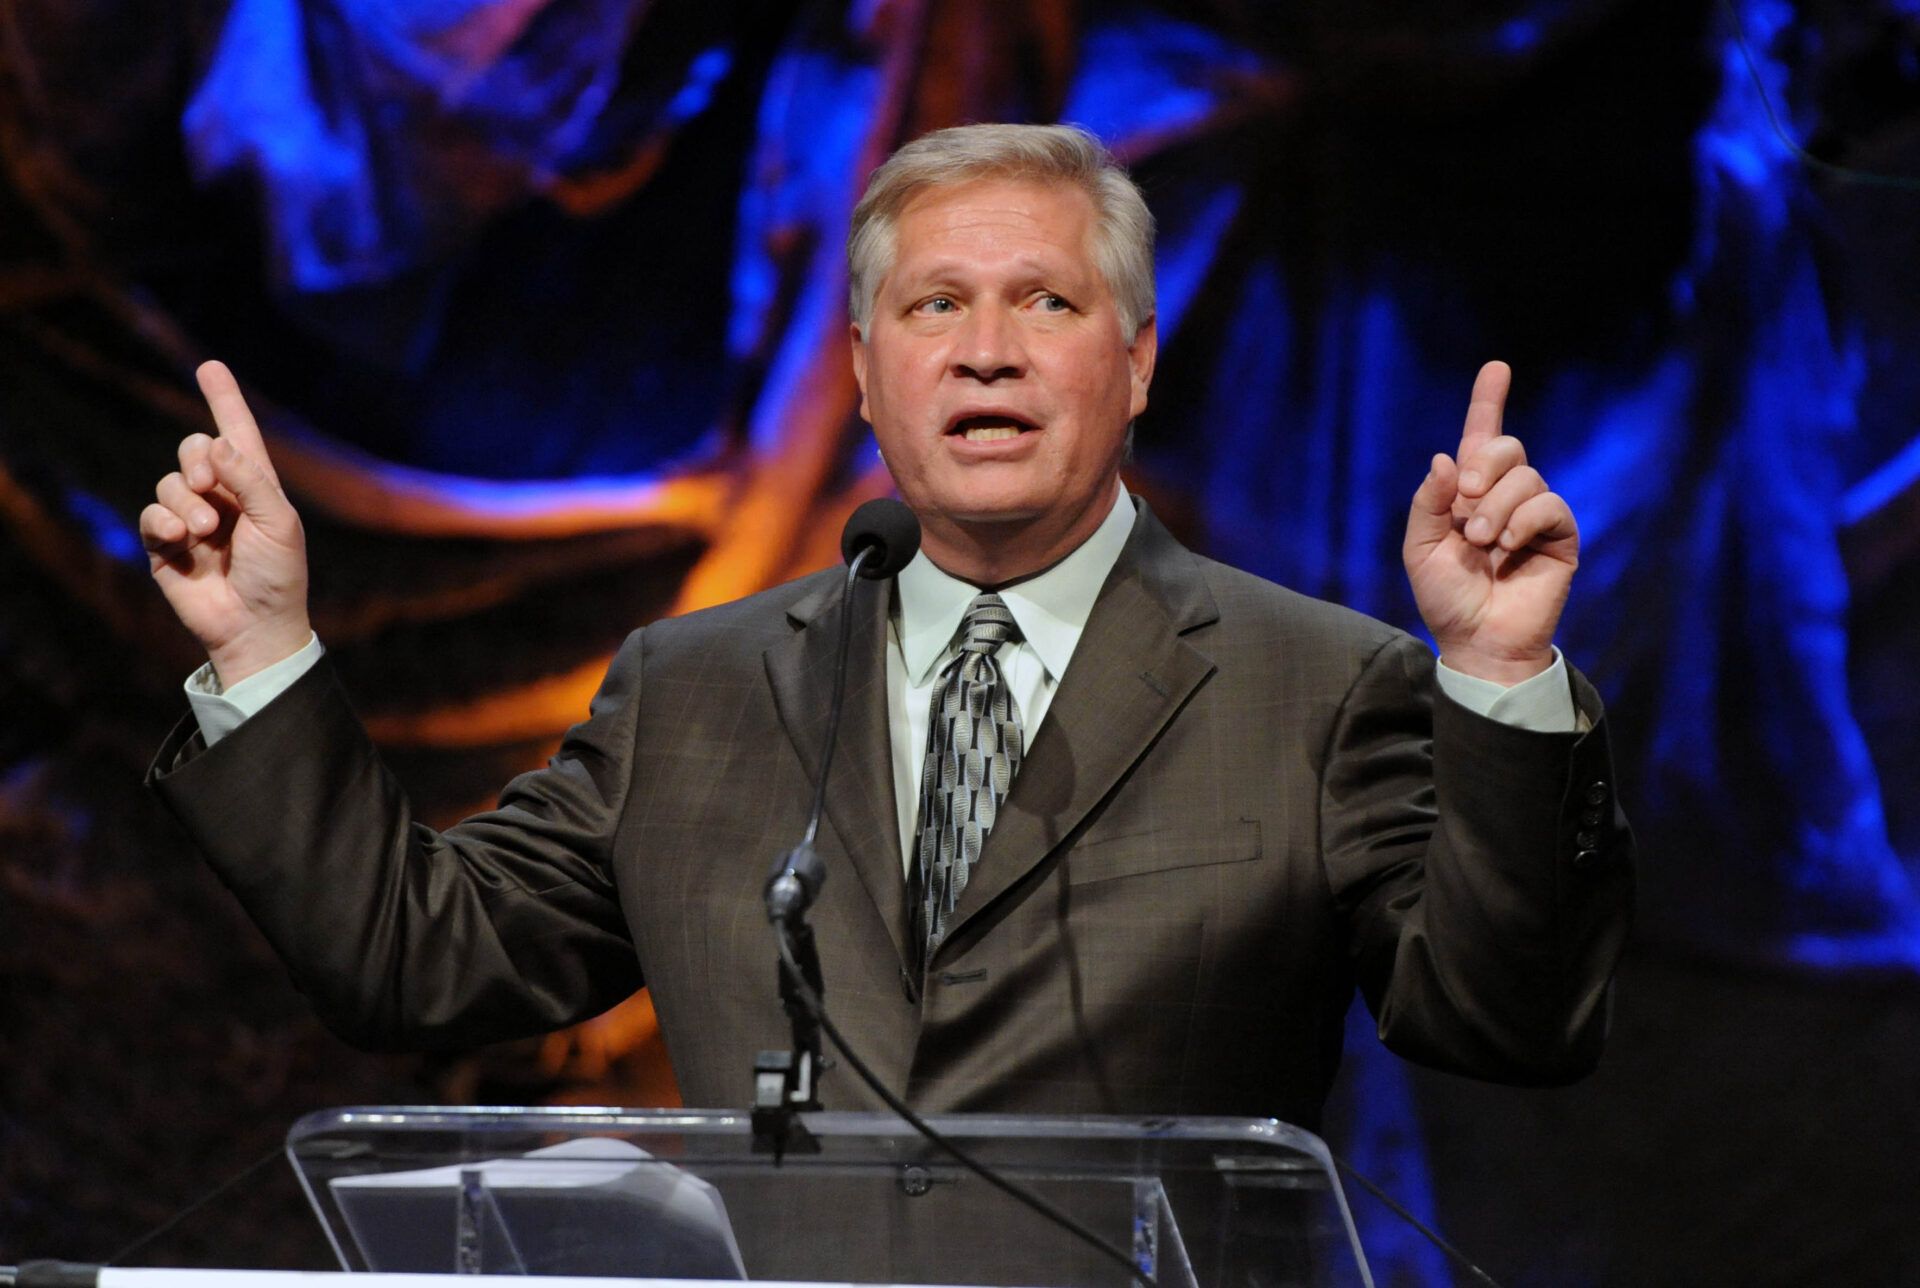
1430, 519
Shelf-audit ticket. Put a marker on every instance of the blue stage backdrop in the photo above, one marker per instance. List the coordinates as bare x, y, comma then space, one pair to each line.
543, 302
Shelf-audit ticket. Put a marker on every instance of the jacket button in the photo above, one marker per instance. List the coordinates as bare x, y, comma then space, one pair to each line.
1587, 840
1596, 793
1585, 859
1591, 817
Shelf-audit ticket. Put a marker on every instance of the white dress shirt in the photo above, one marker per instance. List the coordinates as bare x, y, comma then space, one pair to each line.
1051, 610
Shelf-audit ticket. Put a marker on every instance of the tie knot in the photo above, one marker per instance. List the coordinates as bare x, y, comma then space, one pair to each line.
987, 625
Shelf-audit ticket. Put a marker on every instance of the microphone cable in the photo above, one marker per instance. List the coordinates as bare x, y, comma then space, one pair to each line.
887, 530
1833, 169
933, 1135
1034, 1201
1432, 1236
246, 1173
69, 1274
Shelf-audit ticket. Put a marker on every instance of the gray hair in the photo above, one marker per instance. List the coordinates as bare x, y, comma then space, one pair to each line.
1066, 154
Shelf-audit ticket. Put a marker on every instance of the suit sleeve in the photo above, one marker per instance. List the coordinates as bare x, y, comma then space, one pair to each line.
1484, 873
504, 925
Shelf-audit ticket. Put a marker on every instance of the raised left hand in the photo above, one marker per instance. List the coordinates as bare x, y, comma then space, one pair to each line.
1490, 551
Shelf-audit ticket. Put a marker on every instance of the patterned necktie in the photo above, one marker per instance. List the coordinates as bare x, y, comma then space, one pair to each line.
974, 745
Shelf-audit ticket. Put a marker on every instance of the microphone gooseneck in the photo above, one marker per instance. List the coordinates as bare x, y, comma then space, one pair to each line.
879, 540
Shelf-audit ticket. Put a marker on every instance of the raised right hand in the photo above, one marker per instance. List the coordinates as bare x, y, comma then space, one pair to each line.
226, 546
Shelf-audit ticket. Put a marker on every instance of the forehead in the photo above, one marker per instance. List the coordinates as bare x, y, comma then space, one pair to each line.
996, 223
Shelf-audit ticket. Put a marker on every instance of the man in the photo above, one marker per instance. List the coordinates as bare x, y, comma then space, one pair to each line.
1201, 808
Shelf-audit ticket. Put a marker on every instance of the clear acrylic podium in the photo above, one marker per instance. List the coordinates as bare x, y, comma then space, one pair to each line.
1199, 1202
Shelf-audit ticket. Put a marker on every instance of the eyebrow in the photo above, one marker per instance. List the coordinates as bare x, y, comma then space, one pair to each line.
1023, 268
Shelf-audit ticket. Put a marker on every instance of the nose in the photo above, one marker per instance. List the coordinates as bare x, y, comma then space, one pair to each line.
987, 346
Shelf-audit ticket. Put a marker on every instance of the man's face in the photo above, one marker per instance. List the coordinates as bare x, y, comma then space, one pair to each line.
996, 375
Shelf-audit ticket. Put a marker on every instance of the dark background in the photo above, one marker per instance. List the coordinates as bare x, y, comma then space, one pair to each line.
542, 304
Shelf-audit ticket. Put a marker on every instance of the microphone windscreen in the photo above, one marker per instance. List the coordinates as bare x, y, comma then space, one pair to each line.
890, 529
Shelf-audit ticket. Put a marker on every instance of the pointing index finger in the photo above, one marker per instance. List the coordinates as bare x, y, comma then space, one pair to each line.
1486, 410
232, 415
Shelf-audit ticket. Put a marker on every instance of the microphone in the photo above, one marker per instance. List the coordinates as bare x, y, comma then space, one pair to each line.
881, 538
888, 529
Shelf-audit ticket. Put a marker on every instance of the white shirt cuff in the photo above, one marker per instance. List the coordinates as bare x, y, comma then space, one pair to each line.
1542, 703
221, 711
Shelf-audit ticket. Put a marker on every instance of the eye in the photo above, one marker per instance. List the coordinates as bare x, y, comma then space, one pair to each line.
938, 304
1051, 303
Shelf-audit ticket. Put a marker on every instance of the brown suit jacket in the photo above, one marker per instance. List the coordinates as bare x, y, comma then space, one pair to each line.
1242, 803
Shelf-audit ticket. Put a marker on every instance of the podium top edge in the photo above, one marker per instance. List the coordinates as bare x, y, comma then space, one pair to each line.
726, 1122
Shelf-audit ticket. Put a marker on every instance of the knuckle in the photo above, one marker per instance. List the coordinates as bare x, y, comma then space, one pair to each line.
156, 521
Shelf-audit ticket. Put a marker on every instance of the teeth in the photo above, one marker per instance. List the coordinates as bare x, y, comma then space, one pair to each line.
990, 433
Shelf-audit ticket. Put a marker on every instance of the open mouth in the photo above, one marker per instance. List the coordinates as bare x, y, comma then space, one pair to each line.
990, 427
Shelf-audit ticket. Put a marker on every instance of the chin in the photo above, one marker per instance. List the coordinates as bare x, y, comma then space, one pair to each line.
996, 510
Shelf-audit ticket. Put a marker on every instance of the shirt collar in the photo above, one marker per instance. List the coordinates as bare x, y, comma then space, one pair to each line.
1051, 609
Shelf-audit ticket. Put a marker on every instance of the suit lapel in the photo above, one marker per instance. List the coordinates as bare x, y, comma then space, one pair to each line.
1130, 674
860, 798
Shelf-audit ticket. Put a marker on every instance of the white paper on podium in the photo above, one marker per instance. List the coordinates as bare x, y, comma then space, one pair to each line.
657, 1198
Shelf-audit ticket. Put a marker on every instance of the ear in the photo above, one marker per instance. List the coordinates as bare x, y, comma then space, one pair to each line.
1140, 356
858, 344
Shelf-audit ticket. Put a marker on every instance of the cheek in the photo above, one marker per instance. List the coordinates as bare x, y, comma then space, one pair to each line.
904, 385
1104, 407
896, 451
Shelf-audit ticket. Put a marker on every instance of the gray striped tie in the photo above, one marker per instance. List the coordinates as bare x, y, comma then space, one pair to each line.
974, 745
